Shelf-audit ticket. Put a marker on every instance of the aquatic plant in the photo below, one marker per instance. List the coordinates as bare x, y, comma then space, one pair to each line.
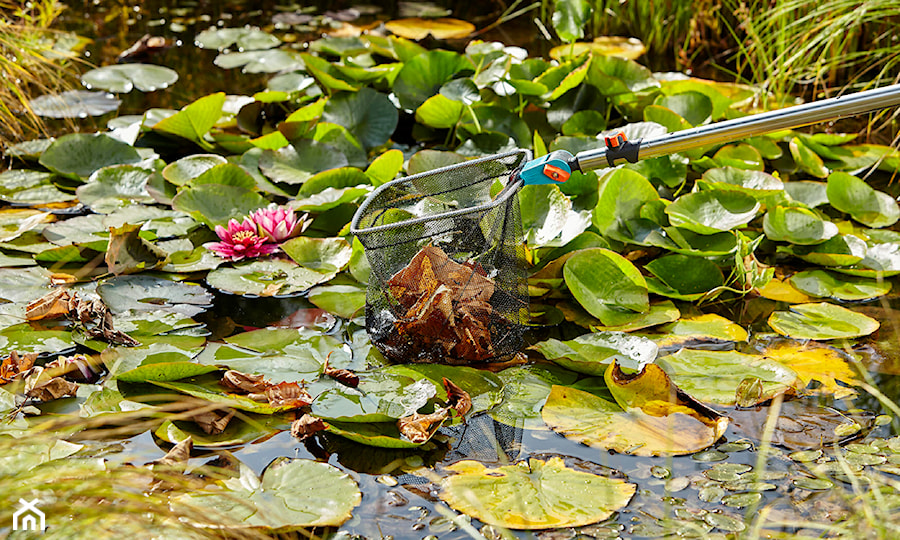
278, 223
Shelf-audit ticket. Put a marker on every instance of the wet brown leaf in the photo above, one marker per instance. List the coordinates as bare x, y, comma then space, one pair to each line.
306, 425
128, 253
53, 305
418, 428
213, 422
14, 365
244, 382
178, 454
288, 394
343, 376
144, 48
457, 398
92, 314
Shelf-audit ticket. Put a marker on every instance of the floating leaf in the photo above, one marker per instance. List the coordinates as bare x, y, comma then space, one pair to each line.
816, 362
629, 48
870, 207
782, 291
606, 284
149, 293
123, 78
823, 284
741, 156
265, 278
195, 120
709, 327
618, 211
267, 61
683, 276
380, 397
115, 186
346, 301
246, 428
709, 212
806, 159
423, 76
592, 353
23, 186
484, 388
839, 250
78, 155
74, 104
533, 494
246, 38
291, 494
417, 28
812, 194
25, 339
596, 422
368, 115
570, 18
525, 389
297, 163
164, 371
821, 321
797, 225
714, 376
187, 168
128, 253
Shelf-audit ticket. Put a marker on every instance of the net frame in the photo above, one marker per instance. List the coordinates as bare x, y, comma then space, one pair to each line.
492, 228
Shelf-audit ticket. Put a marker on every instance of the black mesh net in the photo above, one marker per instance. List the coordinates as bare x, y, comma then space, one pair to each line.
448, 278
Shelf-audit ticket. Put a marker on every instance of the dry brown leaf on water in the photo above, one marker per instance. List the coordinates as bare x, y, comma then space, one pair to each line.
457, 398
213, 422
238, 381
307, 425
53, 305
14, 365
288, 394
50, 389
178, 454
91, 313
418, 428
343, 376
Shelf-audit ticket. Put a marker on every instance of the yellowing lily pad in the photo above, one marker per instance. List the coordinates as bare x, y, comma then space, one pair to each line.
533, 494
701, 328
417, 28
822, 321
813, 362
596, 422
782, 291
623, 47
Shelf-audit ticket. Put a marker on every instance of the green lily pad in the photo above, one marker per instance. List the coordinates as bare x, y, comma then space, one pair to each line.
242, 429
484, 388
592, 354
868, 206
194, 120
823, 284
709, 327
324, 255
346, 301
368, 115
378, 434
264, 61
114, 187
246, 38
24, 186
74, 104
614, 76
757, 184
618, 211
123, 78
164, 371
340, 178
329, 198
533, 494
710, 212
209, 389
525, 389
714, 376
217, 196
741, 156
821, 321
266, 278
78, 155
840, 250
807, 160
23, 338
547, 214
688, 242
423, 76
187, 168
812, 194
150, 293
380, 397
797, 226
606, 284
23, 284
694, 107
297, 163
684, 275
291, 494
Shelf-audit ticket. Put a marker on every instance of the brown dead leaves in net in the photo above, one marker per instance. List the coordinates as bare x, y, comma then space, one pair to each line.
444, 306
91, 313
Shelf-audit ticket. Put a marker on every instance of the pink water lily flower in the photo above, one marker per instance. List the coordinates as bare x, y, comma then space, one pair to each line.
240, 241
278, 223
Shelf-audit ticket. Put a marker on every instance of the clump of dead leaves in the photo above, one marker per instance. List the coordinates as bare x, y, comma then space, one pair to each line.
444, 314
91, 313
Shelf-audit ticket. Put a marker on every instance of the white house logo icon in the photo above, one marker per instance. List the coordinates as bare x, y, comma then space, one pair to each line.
28, 517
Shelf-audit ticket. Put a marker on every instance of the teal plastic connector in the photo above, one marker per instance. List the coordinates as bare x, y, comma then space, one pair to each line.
552, 168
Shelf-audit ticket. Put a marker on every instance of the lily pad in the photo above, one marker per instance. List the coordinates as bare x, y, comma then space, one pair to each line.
377, 434
149, 293
242, 429
297, 163
839, 250
380, 397
709, 212
423, 76
246, 38
291, 494
78, 155
164, 371
194, 120
187, 168
525, 389
23, 338
123, 78
812, 361
368, 115
265, 278
824, 284
683, 276
822, 321
115, 186
592, 354
714, 376
24, 186
74, 104
708, 327
868, 206
209, 389
797, 226
533, 494
618, 211
606, 284
484, 388
417, 28
264, 61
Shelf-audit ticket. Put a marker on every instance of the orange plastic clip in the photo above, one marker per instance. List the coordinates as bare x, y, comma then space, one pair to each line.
616, 140
555, 173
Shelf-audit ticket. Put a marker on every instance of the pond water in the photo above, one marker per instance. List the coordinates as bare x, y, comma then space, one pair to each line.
690, 496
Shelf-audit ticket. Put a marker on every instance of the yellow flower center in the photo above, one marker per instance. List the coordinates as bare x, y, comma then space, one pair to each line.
240, 236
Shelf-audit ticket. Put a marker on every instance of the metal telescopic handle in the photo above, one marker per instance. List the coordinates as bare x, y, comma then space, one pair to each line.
757, 124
